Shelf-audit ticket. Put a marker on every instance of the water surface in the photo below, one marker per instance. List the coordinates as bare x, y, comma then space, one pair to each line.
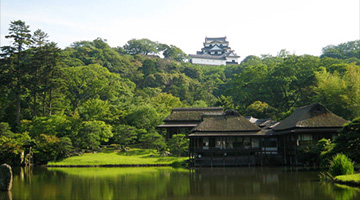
157, 183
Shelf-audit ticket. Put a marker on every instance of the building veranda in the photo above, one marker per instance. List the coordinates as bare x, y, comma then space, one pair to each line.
219, 138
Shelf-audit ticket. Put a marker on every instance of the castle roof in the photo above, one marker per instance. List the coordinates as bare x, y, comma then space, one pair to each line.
212, 39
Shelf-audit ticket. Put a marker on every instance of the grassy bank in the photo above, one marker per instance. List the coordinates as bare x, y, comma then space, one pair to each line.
353, 179
133, 157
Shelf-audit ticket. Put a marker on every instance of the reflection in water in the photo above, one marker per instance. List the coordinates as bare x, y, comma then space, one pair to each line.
170, 183
6, 195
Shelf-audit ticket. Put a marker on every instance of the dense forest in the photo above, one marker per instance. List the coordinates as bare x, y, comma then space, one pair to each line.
62, 101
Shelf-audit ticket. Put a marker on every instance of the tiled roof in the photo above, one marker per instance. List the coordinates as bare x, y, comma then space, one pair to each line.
222, 39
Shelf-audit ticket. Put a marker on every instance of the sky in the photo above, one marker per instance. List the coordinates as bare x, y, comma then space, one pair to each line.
252, 27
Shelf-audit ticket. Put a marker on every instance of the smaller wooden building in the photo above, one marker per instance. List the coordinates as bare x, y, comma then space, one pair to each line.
307, 125
220, 138
229, 139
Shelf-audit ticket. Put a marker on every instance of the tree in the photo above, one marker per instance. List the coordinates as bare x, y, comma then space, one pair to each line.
348, 141
51, 148
164, 103
143, 116
260, 110
94, 82
289, 84
92, 133
175, 53
39, 61
12, 147
153, 139
57, 125
43, 81
126, 135
342, 51
95, 109
99, 52
179, 145
226, 102
141, 46
340, 92
15, 71
149, 67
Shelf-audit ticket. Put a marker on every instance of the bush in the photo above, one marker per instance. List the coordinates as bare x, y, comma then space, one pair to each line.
348, 141
179, 145
341, 165
51, 148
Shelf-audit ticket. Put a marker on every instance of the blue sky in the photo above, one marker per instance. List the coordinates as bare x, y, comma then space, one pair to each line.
253, 27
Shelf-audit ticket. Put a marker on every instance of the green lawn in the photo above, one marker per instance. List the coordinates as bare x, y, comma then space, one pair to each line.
110, 157
353, 179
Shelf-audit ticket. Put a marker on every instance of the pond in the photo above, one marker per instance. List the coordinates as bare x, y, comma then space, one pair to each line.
169, 183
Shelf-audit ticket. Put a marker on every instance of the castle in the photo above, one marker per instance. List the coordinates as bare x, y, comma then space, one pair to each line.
216, 51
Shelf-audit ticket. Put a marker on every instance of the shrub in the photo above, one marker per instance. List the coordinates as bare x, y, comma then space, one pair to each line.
51, 148
348, 141
179, 145
341, 165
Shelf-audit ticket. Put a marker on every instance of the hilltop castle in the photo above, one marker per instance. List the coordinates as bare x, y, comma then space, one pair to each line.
216, 51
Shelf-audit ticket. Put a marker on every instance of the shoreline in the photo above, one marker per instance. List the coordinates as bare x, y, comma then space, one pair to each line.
352, 180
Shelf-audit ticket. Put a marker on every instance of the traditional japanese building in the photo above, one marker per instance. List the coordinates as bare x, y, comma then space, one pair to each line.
305, 126
220, 138
216, 51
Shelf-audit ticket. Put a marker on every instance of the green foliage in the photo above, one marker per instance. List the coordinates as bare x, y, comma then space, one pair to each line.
141, 46
163, 103
153, 140
175, 53
226, 102
348, 141
318, 154
260, 109
340, 92
94, 81
282, 82
5, 130
126, 135
51, 148
343, 50
12, 147
92, 133
179, 145
57, 125
95, 109
341, 165
143, 116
